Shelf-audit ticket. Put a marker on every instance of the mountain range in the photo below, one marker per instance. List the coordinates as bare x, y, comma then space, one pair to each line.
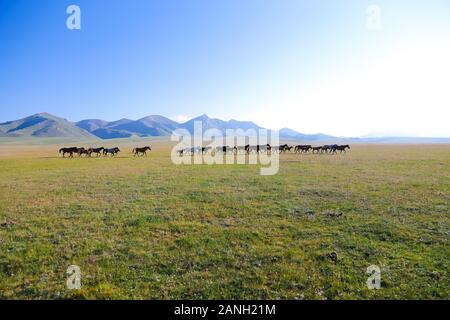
47, 125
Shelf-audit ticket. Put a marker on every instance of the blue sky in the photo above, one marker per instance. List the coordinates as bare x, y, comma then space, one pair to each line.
314, 66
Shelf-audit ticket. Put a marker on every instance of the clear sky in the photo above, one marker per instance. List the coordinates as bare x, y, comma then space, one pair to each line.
315, 66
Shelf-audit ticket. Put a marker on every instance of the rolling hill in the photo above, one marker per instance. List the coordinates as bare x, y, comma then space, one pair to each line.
92, 124
211, 123
149, 126
42, 125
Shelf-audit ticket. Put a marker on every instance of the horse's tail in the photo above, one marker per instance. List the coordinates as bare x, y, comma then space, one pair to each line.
60, 150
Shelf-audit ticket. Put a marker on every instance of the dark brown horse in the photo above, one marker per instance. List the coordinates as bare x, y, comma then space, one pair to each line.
302, 148
141, 151
316, 149
82, 151
281, 148
70, 151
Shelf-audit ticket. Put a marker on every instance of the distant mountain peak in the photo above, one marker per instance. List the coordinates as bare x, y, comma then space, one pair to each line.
203, 117
44, 114
289, 132
157, 118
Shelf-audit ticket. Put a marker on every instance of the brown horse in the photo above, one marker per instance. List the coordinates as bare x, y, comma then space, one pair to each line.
70, 151
143, 151
82, 151
316, 149
97, 151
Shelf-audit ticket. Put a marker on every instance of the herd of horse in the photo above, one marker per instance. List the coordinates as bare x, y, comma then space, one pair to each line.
252, 149
248, 149
100, 151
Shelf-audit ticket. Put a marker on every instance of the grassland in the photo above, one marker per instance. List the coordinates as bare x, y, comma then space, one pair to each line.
147, 229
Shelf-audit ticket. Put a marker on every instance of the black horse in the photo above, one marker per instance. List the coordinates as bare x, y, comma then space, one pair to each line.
282, 147
113, 151
304, 148
97, 151
225, 149
288, 149
70, 151
342, 148
143, 151
326, 148
316, 149
333, 148
263, 148
207, 149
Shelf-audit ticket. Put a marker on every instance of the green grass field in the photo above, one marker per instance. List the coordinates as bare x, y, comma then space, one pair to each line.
147, 229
